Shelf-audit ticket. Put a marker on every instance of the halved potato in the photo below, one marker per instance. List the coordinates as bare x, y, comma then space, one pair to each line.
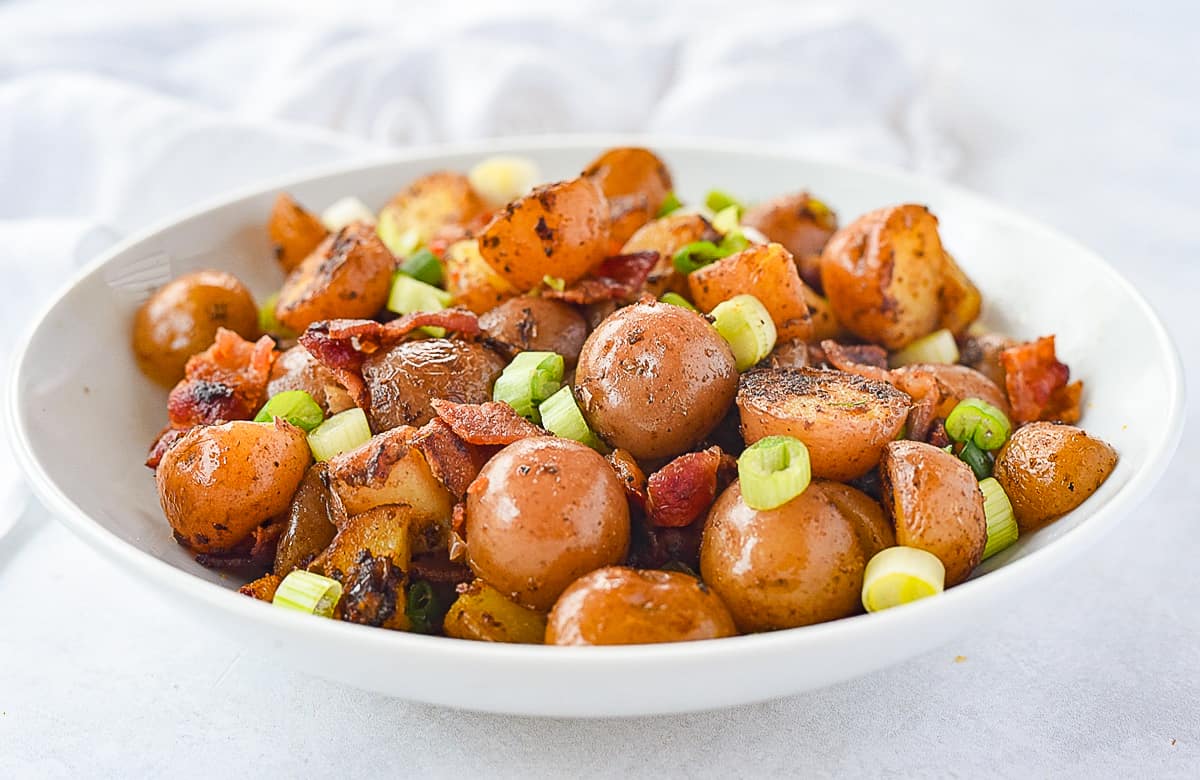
347, 276
313, 518
558, 230
636, 183
1048, 469
434, 201
485, 614
667, 236
370, 556
294, 231
845, 420
935, 502
801, 223
389, 469
767, 272
471, 281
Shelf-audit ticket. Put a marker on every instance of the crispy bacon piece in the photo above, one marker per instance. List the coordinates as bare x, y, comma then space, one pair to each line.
617, 278
166, 439
1064, 404
453, 461
684, 489
491, 423
1036, 382
262, 588
631, 475
437, 568
228, 381
937, 434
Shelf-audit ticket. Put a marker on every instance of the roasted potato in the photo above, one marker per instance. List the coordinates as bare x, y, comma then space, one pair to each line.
294, 231
558, 230
389, 469
484, 614
541, 513
655, 379
936, 505
802, 224
262, 588
220, 482
845, 420
404, 379
313, 519
426, 206
471, 281
297, 369
799, 564
667, 236
873, 528
347, 276
538, 324
370, 556
1048, 469
825, 323
635, 182
182, 317
768, 273
959, 299
950, 384
618, 605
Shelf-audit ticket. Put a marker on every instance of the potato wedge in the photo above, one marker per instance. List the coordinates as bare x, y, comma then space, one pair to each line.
471, 281
636, 183
1048, 469
766, 272
802, 224
389, 469
825, 323
313, 519
960, 300
667, 236
432, 202
558, 230
843, 419
935, 502
484, 614
347, 276
370, 556
294, 231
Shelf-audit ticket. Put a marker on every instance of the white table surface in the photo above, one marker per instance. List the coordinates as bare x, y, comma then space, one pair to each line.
1087, 117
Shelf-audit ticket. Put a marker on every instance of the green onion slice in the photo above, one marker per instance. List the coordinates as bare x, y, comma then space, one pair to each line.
733, 242
976, 420
295, 406
675, 299
899, 575
529, 380
670, 203
409, 295
1002, 528
726, 220
773, 471
561, 416
310, 593
747, 325
400, 243
937, 347
979, 461
343, 432
266, 318
423, 266
695, 256
422, 607
554, 282
717, 201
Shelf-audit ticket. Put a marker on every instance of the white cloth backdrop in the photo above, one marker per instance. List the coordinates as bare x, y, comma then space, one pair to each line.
116, 114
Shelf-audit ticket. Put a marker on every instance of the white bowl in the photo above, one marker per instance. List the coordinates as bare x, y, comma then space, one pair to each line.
83, 416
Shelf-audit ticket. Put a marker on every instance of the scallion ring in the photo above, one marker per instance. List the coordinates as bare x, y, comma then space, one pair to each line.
937, 347
423, 266
695, 256
900, 575
748, 328
670, 203
561, 416
718, 201
343, 432
528, 380
1002, 531
409, 295
421, 607
310, 593
976, 420
295, 406
773, 471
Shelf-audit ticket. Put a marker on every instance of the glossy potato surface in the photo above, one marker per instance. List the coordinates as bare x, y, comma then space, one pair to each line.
347, 277
635, 182
405, 379
539, 325
294, 231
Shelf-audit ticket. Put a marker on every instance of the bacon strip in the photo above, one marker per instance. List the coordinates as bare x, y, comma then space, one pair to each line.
491, 423
454, 462
166, 439
1036, 382
617, 278
683, 490
227, 381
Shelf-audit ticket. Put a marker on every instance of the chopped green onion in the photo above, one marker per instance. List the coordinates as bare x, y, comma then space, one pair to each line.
675, 299
899, 575
310, 593
718, 201
726, 220
747, 325
423, 266
974, 419
295, 406
695, 256
266, 318
1002, 528
733, 242
400, 243
772, 471
554, 282
977, 459
561, 416
503, 178
669, 204
528, 380
937, 347
422, 607
409, 295
345, 211
343, 432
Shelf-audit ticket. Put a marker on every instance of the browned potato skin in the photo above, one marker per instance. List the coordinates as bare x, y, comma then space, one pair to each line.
347, 276
655, 379
181, 320
954, 383
389, 469
297, 369
541, 513
799, 564
874, 529
843, 419
667, 236
802, 224
636, 183
484, 614
538, 324
313, 517
405, 379
558, 230
471, 281
1048, 469
294, 231
883, 275
434, 201
936, 505
960, 300
220, 482
766, 271
618, 605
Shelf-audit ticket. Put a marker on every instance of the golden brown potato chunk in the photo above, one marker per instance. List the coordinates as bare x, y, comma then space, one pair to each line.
667, 236
389, 469
636, 183
294, 231
472, 281
348, 276
1048, 469
484, 614
802, 224
766, 272
427, 205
